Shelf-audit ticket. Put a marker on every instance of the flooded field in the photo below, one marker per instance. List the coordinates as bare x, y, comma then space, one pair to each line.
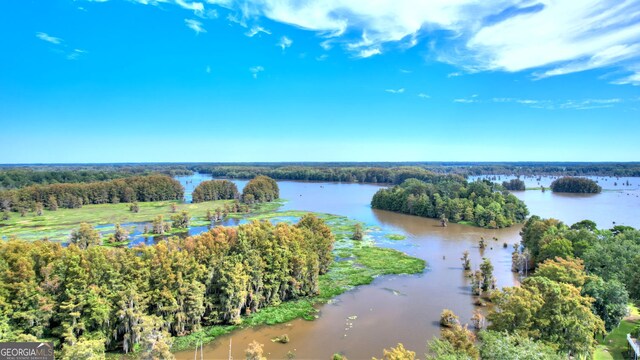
361, 322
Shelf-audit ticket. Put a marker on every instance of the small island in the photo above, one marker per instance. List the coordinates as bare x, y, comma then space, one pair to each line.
479, 203
576, 185
514, 185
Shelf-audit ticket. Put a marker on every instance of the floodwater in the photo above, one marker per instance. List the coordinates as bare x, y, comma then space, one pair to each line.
617, 204
406, 308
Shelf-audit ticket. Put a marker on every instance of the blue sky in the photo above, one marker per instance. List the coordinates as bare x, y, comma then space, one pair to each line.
336, 80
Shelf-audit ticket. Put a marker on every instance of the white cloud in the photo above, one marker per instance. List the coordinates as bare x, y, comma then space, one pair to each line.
550, 37
256, 30
285, 42
196, 7
75, 54
322, 57
395, 91
326, 45
195, 25
365, 53
405, 71
544, 37
255, 71
424, 96
454, 74
633, 79
465, 101
48, 38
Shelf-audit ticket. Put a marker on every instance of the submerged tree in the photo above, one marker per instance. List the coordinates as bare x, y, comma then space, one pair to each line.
254, 351
85, 236
181, 221
448, 318
158, 225
357, 232
120, 234
487, 274
398, 353
466, 262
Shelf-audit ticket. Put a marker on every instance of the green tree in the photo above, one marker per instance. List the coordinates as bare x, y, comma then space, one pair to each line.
546, 310
487, 274
461, 339
398, 353
84, 349
610, 300
85, 236
181, 220
505, 346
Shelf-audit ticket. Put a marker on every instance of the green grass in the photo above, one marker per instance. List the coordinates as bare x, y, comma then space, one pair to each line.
57, 225
364, 262
395, 237
615, 344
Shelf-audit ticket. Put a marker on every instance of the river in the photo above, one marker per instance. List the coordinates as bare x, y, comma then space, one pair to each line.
407, 308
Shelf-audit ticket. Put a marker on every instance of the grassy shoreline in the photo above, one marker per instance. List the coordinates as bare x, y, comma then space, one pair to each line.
359, 263
615, 343
57, 225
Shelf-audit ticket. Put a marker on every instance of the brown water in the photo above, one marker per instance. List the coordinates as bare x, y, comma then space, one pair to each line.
404, 308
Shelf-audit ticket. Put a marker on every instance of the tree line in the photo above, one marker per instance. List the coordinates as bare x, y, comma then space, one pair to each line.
15, 177
124, 299
575, 185
130, 189
480, 203
356, 174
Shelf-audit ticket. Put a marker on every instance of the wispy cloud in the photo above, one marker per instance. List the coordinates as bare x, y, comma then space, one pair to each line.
255, 71
285, 42
395, 91
582, 104
547, 38
196, 7
454, 74
465, 101
424, 96
195, 25
257, 30
543, 37
60, 47
48, 38
365, 53
75, 54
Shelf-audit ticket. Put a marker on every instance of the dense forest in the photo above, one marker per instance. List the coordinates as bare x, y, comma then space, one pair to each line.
15, 177
260, 189
514, 185
480, 203
215, 190
121, 299
288, 171
575, 185
394, 175
135, 188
